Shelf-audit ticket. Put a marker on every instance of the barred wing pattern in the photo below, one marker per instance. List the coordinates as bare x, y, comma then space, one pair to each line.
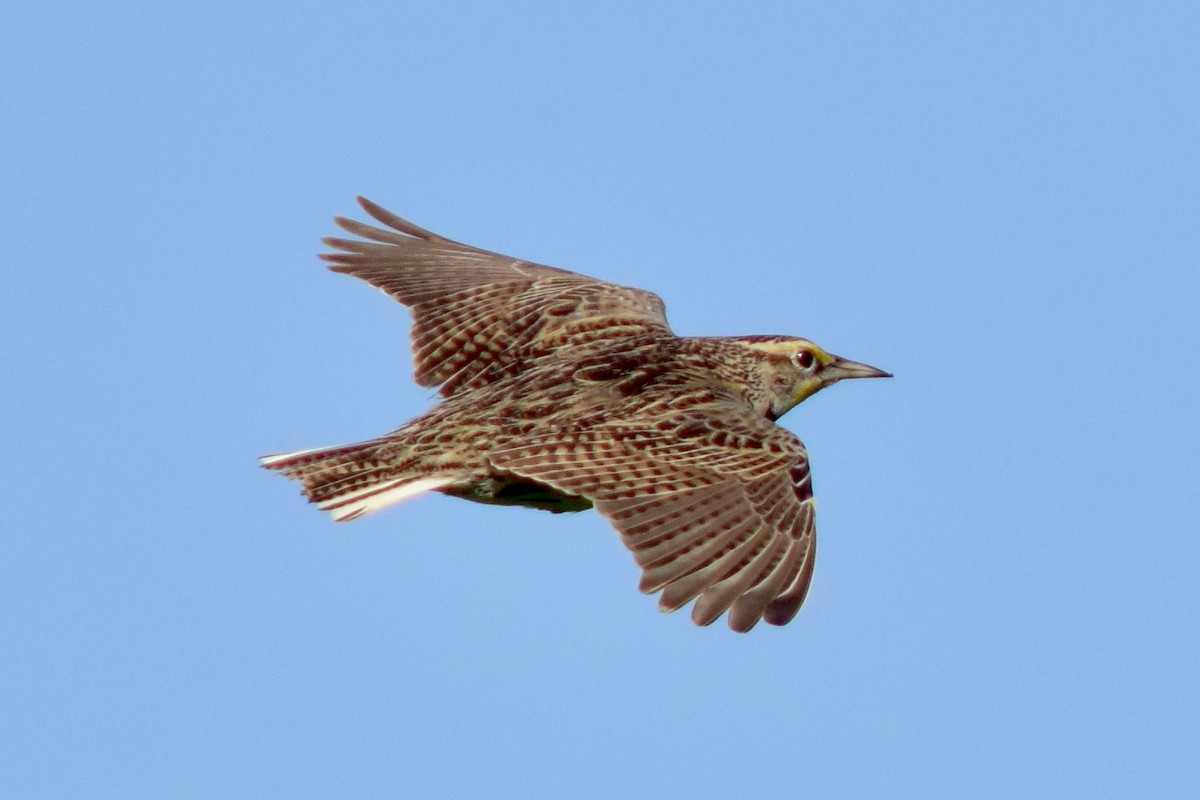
479, 316
716, 508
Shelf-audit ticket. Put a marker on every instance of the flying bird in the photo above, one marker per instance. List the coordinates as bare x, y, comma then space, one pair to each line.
562, 392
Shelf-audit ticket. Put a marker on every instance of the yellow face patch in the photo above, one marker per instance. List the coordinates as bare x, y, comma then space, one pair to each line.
807, 388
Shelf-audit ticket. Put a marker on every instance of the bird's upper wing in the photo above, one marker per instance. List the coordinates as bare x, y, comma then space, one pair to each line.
477, 315
717, 507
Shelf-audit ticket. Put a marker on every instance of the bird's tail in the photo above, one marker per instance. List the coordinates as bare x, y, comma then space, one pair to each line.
354, 479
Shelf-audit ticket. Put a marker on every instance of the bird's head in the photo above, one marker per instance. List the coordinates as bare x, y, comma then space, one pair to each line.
796, 369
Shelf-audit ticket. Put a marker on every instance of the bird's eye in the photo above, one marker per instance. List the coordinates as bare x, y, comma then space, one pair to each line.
805, 359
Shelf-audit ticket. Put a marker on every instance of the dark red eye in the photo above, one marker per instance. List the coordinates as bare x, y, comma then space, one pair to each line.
805, 359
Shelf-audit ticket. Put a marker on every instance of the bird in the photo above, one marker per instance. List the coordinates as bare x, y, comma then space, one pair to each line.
562, 392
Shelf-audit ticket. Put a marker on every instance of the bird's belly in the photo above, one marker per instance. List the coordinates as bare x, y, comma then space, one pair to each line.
519, 492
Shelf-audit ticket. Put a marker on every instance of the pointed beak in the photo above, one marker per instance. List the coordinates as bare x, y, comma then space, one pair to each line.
843, 368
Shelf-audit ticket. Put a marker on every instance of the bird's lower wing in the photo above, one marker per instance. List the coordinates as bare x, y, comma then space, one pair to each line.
715, 511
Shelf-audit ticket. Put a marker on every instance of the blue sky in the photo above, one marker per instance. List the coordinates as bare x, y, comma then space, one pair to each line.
998, 203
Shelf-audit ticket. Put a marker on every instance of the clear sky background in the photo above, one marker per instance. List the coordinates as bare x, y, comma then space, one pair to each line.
998, 203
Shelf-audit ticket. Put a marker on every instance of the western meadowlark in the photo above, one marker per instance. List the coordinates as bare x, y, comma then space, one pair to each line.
563, 393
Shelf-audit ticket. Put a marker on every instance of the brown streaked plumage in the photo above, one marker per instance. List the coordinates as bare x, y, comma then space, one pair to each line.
562, 392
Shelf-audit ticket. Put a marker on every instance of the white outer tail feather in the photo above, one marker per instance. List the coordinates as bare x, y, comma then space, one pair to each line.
369, 499
271, 461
